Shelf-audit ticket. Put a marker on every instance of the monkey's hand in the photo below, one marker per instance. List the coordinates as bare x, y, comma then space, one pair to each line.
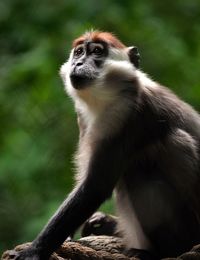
26, 254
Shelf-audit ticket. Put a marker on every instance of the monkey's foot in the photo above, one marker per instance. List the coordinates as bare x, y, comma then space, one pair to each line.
100, 224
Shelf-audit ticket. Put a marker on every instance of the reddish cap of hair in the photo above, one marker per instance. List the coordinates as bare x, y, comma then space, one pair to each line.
99, 36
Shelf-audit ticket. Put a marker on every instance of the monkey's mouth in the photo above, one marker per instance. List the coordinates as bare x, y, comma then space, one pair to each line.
80, 81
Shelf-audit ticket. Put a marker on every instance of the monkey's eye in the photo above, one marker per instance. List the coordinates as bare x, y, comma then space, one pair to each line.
98, 50
78, 52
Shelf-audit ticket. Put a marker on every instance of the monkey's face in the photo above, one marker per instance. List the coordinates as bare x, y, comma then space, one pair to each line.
87, 61
97, 66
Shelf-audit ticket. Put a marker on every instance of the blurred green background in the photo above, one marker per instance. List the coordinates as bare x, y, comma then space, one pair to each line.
38, 132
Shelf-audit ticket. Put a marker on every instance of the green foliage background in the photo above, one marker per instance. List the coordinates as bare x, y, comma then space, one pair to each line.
38, 130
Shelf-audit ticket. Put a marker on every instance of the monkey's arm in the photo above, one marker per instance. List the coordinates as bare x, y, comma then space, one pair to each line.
98, 185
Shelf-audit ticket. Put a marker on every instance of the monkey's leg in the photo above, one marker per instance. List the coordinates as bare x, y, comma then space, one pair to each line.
102, 224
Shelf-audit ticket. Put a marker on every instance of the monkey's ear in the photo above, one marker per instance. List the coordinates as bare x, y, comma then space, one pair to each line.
134, 56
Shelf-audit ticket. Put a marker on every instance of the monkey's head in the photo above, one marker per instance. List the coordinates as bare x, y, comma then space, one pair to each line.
90, 56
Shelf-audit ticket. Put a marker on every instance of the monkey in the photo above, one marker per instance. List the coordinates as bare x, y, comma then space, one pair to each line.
138, 140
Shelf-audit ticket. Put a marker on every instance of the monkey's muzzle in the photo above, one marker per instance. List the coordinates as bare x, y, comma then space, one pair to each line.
80, 81
82, 76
